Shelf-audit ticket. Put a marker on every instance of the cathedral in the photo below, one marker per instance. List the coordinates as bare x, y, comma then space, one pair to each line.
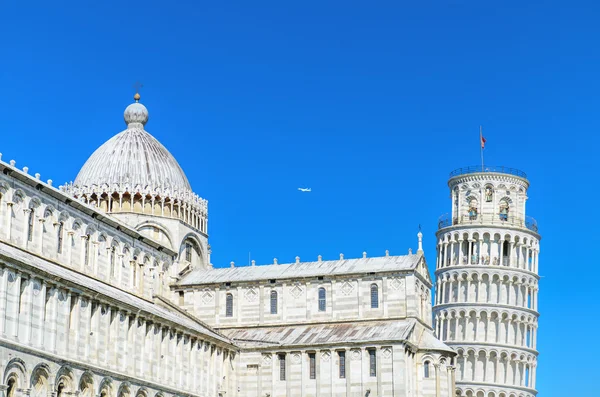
107, 290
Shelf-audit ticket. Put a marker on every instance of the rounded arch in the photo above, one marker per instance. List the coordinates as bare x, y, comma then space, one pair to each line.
40, 380
15, 370
156, 231
124, 390
190, 250
34, 202
18, 196
142, 392
86, 384
76, 224
105, 388
90, 229
49, 211
64, 382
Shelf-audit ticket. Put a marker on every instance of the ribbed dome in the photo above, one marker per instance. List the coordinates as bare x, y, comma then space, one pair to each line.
133, 157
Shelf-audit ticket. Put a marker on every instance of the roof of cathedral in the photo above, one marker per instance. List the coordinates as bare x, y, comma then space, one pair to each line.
133, 157
429, 342
323, 334
302, 269
84, 281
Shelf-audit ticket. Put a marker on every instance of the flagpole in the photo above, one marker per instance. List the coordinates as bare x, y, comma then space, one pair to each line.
481, 146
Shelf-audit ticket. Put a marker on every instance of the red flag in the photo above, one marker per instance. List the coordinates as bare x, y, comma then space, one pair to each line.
482, 142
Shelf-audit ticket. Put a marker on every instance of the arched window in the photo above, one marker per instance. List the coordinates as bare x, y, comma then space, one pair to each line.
426, 369
322, 299
229, 305
273, 302
30, 224
473, 204
503, 211
374, 296
489, 194
505, 253
60, 237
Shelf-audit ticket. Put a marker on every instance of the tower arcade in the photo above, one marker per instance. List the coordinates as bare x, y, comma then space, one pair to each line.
487, 283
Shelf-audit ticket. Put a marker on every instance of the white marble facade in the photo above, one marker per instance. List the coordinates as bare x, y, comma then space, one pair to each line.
487, 283
107, 289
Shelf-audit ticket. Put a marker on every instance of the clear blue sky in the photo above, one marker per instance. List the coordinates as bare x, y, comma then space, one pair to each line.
370, 104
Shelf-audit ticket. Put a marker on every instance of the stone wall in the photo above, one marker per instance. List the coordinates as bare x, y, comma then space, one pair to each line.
399, 295
398, 371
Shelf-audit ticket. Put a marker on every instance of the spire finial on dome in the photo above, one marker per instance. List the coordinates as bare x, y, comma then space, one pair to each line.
137, 87
136, 113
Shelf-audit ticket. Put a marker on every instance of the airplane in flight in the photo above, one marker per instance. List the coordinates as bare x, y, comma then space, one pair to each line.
305, 189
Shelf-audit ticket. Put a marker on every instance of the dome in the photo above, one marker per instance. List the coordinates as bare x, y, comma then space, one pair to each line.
133, 157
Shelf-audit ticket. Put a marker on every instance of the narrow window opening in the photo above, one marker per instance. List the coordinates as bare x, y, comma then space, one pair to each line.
372, 362
426, 369
312, 358
188, 251
112, 261
273, 302
374, 296
86, 250
181, 298
229, 305
134, 273
322, 299
30, 228
59, 244
342, 358
281, 366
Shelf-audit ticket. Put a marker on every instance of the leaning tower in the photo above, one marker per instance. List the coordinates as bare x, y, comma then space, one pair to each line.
487, 283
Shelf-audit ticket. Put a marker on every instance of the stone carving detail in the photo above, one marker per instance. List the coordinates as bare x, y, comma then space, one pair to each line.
297, 291
267, 359
387, 352
37, 287
207, 296
251, 294
11, 277
297, 358
325, 356
397, 283
347, 288
355, 354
